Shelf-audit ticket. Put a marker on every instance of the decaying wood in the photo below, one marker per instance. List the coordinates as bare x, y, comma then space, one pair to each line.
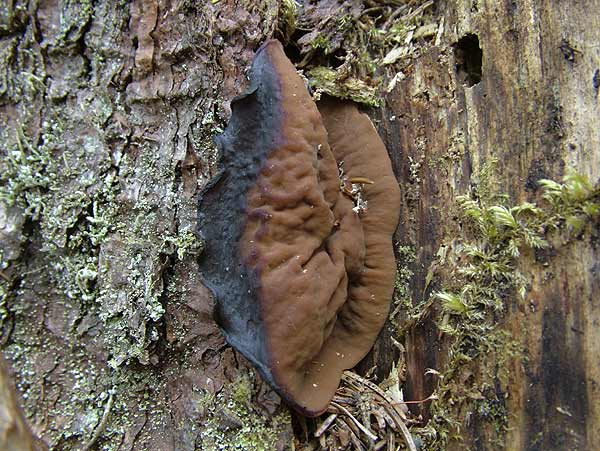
535, 109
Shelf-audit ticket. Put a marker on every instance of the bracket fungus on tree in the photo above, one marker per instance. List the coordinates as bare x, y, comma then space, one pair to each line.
298, 228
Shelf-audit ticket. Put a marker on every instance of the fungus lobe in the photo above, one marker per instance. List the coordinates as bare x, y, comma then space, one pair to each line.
301, 272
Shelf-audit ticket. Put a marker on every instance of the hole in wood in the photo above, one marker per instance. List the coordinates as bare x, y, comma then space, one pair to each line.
468, 56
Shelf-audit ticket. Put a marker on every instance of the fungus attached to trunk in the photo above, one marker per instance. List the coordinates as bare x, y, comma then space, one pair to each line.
298, 227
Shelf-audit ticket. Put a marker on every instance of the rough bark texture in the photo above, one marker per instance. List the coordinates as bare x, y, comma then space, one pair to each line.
107, 112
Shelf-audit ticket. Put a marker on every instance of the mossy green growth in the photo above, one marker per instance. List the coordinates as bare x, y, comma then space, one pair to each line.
185, 243
405, 256
321, 43
287, 18
25, 174
234, 424
361, 44
573, 202
331, 82
483, 268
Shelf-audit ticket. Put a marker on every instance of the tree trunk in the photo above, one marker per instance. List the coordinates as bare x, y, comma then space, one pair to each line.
107, 113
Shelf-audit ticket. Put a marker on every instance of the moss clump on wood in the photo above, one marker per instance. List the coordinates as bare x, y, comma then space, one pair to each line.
481, 273
350, 49
234, 424
327, 81
405, 257
288, 11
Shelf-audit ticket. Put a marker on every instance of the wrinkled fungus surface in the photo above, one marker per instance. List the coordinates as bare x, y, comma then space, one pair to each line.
298, 228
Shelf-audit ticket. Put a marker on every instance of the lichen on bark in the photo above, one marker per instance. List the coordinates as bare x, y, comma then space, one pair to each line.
106, 129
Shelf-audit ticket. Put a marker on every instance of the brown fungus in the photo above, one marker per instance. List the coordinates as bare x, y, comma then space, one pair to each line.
298, 228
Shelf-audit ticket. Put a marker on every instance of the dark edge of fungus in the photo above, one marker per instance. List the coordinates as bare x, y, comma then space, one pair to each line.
223, 204
301, 282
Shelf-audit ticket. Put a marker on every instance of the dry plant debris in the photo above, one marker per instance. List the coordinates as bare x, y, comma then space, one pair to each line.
364, 416
348, 50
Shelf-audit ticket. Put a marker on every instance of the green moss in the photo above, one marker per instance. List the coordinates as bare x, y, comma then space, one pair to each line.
481, 273
234, 425
185, 243
573, 203
402, 299
362, 45
331, 82
352, 80
242, 390
287, 18
321, 43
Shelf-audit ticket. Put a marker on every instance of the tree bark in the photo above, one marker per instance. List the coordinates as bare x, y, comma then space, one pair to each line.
107, 112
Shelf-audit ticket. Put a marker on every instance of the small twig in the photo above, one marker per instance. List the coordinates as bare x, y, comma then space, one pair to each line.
380, 444
393, 17
379, 418
356, 441
373, 387
5, 277
391, 441
346, 424
388, 406
330, 419
405, 432
361, 426
371, 10
388, 418
418, 11
103, 422
429, 398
